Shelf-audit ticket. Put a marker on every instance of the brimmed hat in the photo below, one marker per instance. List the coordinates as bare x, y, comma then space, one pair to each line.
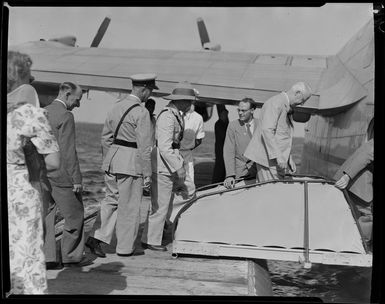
183, 91
144, 80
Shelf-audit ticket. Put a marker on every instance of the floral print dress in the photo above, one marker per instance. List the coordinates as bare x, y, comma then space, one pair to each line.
27, 262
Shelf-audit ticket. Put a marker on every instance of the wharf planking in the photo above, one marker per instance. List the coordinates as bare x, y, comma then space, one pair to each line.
159, 273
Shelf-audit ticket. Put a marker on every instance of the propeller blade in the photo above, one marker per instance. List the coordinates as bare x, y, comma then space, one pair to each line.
101, 31
203, 34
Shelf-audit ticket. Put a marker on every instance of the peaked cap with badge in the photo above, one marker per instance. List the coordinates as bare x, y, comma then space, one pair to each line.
144, 80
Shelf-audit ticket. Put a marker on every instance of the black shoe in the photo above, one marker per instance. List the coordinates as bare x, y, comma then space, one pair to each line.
154, 247
82, 263
94, 246
53, 265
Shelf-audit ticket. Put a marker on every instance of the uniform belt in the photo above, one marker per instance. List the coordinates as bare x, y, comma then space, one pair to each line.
125, 143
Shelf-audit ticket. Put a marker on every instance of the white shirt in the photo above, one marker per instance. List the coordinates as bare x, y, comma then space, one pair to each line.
193, 129
62, 102
136, 97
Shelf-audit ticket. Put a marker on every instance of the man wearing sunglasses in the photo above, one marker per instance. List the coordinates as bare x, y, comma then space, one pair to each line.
238, 135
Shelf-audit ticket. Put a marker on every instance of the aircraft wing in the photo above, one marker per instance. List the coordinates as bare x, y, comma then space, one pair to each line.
220, 77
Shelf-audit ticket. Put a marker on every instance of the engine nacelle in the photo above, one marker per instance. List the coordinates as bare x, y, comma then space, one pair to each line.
66, 40
212, 47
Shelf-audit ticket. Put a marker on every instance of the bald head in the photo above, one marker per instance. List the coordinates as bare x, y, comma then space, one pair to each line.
299, 93
71, 94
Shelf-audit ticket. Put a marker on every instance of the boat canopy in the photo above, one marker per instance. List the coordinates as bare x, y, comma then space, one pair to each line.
301, 219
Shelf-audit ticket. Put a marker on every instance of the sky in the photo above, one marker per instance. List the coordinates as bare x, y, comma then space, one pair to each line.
296, 30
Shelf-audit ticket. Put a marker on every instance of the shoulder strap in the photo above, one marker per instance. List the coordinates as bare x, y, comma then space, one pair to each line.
177, 118
164, 110
121, 120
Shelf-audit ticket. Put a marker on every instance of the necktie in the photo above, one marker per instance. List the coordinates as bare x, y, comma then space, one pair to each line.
248, 130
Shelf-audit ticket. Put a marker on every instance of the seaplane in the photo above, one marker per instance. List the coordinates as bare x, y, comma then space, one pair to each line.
304, 218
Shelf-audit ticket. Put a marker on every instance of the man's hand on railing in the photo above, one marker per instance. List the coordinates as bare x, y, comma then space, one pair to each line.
281, 164
229, 182
342, 182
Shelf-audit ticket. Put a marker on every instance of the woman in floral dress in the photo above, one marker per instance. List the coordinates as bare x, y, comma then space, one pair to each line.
25, 121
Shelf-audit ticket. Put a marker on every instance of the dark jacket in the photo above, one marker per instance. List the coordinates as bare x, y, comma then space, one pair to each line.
359, 167
63, 126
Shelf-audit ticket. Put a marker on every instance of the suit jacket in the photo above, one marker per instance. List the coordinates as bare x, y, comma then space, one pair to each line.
359, 167
274, 133
235, 145
136, 127
63, 126
165, 159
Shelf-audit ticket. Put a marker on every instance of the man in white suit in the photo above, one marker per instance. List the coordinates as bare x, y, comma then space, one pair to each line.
271, 144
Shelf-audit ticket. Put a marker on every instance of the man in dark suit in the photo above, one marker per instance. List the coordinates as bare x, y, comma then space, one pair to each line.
356, 176
66, 183
238, 135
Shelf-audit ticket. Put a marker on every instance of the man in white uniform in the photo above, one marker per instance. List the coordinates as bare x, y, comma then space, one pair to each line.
168, 171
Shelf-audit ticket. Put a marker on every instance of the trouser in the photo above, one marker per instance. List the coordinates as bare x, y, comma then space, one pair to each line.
183, 192
365, 219
219, 172
161, 197
105, 222
269, 173
71, 208
128, 212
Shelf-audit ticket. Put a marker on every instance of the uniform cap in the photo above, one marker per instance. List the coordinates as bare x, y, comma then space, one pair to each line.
144, 80
183, 91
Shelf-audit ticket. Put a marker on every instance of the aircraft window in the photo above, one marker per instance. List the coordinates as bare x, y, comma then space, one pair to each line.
310, 62
270, 59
